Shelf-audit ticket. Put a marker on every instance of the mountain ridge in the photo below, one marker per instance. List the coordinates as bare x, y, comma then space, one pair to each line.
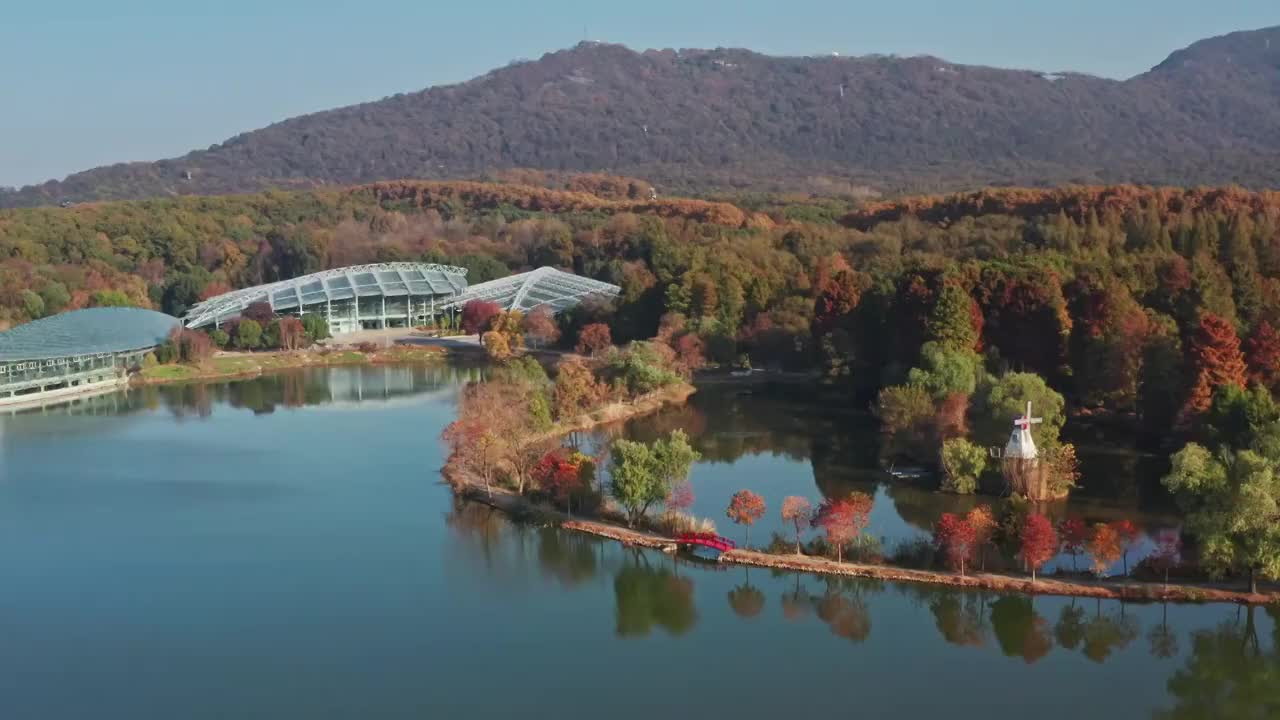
732, 118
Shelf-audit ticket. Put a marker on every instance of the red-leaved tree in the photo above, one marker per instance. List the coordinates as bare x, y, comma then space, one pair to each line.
1127, 535
798, 511
1073, 533
1215, 360
843, 519
745, 507
477, 314
1262, 355
1037, 543
955, 539
593, 339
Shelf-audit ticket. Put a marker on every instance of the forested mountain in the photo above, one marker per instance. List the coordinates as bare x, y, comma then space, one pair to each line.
708, 119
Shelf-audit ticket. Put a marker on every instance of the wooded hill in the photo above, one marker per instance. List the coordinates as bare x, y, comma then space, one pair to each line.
700, 120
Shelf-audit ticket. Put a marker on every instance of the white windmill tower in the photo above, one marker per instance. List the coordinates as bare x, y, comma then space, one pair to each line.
1021, 446
1021, 465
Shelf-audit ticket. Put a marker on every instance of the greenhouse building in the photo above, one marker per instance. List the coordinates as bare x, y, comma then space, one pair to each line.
361, 297
77, 352
556, 289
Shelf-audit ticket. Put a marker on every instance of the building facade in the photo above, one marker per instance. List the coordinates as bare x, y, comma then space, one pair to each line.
76, 353
361, 297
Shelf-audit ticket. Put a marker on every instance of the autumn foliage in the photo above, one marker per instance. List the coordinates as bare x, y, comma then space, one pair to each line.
843, 519
1215, 360
797, 511
1074, 534
955, 539
593, 339
745, 507
984, 527
1038, 542
1104, 546
477, 314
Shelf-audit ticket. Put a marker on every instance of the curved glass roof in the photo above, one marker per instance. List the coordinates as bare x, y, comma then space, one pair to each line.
380, 279
548, 286
86, 332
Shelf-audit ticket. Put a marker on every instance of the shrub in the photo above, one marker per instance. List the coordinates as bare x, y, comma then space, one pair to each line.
962, 463
219, 338
918, 553
167, 352
248, 334
315, 326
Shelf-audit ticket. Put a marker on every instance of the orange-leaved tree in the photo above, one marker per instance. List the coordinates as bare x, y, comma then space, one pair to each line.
797, 511
593, 339
1104, 546
984, 529
745, 507
1038, 542
1215, 360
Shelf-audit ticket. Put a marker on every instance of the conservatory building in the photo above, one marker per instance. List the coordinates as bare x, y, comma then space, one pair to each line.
555, 289
361, 297
75, 353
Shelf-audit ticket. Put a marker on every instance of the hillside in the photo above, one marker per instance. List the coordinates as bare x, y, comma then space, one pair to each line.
724, 119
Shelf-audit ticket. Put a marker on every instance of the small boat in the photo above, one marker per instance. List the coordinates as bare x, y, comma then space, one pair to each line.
909, 473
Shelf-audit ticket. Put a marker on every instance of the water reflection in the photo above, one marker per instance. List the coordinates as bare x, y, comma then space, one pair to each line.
1228, 665
1229, 674
961, 617
351, 388
746, 600
779, 442
650, 596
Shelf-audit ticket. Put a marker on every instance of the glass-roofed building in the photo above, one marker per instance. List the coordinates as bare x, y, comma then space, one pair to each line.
361, 297
556, 289
76, 352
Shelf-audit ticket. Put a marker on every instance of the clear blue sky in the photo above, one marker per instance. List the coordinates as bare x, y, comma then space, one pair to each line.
91, 82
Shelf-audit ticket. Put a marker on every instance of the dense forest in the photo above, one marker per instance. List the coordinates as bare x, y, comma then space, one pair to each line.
690, 120
1123, 299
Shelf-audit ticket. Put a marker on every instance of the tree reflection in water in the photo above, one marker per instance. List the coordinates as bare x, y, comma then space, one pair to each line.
570, 558
746, 600
647, 597
1019, 629
796, 603
1162, 640
1228, 674
843, 607
961, 617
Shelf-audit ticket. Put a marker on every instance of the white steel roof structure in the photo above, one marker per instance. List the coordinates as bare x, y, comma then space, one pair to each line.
380, 279
556, 289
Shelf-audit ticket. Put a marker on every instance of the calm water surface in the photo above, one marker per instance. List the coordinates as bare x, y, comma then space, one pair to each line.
281, 548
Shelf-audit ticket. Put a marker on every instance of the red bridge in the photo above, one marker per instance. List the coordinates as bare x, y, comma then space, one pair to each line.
707, 540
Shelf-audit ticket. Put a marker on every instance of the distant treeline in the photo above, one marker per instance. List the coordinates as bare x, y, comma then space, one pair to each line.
1098, 290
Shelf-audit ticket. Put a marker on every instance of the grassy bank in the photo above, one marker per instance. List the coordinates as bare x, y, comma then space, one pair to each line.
226, 366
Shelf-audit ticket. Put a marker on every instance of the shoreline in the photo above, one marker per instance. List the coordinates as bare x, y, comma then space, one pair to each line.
1129, 590
507, 501
239, 366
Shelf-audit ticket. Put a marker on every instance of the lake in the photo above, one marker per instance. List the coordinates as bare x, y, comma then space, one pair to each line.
282, 548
